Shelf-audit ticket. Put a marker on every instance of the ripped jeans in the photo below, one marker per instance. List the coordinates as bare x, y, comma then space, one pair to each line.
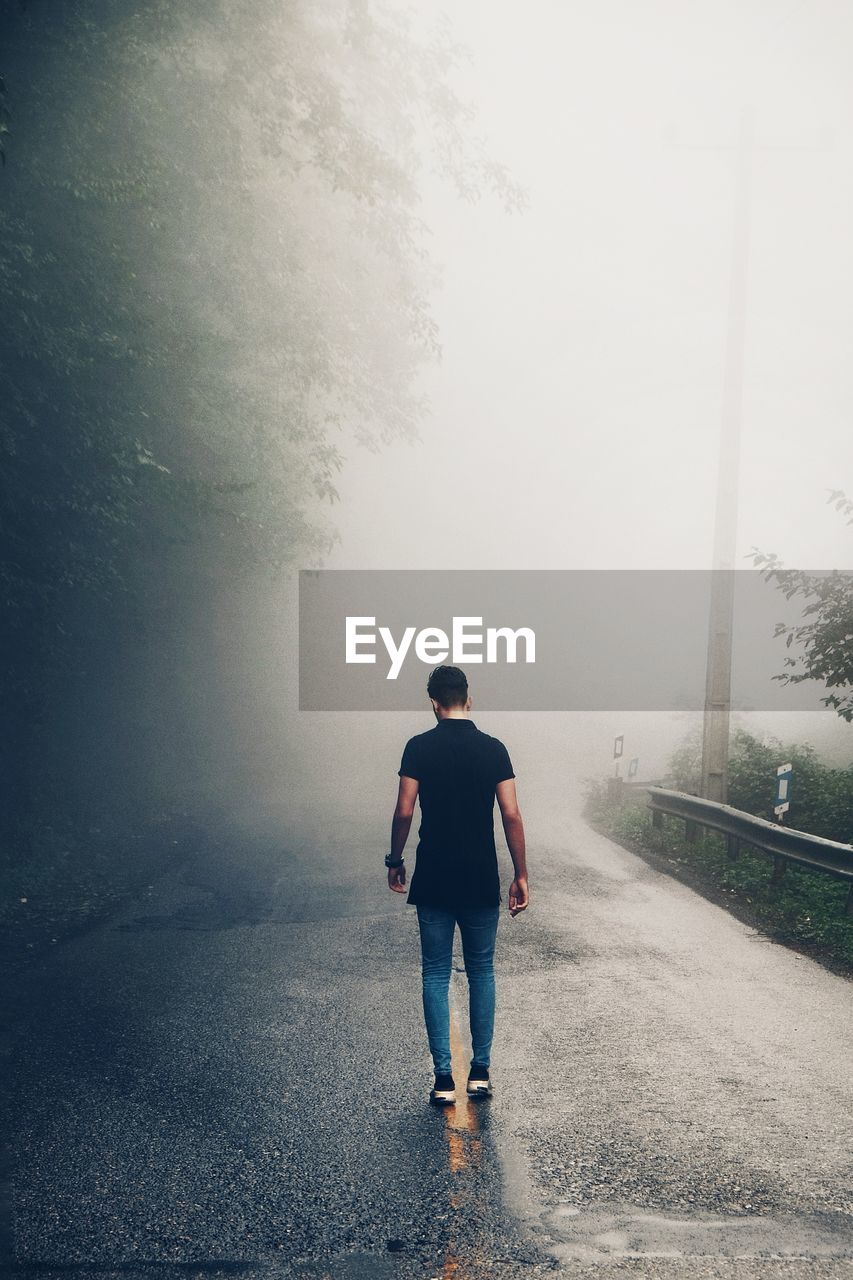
478, 927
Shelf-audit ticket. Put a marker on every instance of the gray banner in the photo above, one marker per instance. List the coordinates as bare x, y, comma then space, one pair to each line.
587, 640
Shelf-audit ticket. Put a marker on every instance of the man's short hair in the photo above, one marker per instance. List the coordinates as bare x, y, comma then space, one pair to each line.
449, 687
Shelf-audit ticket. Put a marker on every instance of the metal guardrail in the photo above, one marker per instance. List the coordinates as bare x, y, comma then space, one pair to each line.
783, 844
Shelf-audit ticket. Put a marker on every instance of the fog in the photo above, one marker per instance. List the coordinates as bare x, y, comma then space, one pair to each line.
231, 308
580, 391
576, 410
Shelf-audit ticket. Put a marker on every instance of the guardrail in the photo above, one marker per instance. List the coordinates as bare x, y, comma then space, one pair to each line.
783, 844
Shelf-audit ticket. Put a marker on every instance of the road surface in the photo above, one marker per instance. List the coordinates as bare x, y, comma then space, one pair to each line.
232, 1074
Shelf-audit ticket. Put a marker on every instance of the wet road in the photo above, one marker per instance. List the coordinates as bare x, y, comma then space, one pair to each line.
232, 1076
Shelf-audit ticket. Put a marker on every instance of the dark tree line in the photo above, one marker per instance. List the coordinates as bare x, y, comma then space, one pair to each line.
213, 285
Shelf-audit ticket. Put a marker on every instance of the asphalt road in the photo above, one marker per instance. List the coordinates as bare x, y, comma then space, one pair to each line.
232, 1076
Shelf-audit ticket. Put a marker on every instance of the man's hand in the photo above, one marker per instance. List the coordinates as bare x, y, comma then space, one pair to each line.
514, 832
397, 878
518, 895
407, 794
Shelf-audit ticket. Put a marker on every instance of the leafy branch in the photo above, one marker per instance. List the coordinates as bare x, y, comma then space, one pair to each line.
826, 640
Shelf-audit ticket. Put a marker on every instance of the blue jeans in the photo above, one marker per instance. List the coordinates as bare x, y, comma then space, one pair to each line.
478, 927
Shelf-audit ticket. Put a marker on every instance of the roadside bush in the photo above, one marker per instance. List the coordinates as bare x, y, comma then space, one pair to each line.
821, 795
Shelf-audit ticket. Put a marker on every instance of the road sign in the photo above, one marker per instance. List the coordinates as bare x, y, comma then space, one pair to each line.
633, 766
782, 803
617, 746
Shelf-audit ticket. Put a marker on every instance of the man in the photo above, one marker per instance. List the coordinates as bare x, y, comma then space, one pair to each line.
456, 771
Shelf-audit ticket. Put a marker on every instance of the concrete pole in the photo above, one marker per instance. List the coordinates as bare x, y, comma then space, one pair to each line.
715, 729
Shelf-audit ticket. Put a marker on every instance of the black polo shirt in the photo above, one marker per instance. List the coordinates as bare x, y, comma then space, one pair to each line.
457, 768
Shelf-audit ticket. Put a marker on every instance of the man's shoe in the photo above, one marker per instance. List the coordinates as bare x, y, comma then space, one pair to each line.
443, 1091
479, 1084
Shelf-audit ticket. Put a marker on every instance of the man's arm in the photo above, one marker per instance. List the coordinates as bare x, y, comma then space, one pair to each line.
400, 826
519, 895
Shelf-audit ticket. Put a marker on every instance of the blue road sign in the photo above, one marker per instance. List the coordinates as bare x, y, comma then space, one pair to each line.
782, 803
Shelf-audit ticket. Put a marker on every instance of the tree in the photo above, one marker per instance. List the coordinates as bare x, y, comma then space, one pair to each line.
213, 284
826, 640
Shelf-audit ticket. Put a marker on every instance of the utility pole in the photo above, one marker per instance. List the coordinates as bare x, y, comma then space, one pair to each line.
715, 728
717, 713
718, 674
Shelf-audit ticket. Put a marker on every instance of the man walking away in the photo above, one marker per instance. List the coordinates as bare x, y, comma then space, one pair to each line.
457, 771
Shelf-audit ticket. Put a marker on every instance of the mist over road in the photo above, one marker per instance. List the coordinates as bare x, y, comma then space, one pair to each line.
267, 310
233, 1074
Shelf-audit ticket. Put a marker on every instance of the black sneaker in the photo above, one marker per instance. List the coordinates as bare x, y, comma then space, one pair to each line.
443, 1092
479, 1084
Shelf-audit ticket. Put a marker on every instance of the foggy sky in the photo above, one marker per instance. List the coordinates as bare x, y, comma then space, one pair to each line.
576, 410
578, 401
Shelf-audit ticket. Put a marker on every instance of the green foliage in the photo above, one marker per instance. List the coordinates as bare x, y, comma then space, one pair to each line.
685, 764
214, 284
827, 640
821, 799
821, 796
215, 264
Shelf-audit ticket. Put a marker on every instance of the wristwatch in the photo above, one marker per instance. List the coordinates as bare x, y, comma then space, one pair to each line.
391, 861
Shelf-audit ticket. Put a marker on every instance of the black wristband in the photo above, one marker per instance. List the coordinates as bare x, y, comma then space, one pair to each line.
389, 861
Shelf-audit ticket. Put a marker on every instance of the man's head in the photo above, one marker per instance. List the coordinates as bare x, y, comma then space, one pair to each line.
448, 690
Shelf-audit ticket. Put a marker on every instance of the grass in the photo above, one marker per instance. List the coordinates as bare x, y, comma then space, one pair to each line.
806, 909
